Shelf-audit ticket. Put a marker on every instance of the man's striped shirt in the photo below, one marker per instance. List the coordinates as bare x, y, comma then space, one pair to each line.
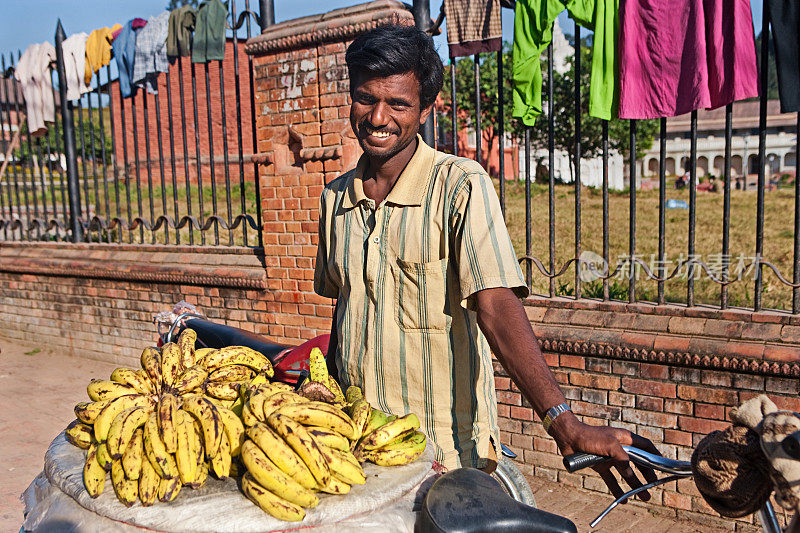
405, 274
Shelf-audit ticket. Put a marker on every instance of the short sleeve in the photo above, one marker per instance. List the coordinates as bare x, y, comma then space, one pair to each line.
482, 248
324, 284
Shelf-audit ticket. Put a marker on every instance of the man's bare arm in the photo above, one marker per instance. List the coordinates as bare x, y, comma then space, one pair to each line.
503, 321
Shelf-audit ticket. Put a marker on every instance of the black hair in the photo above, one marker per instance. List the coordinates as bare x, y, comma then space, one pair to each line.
389, 50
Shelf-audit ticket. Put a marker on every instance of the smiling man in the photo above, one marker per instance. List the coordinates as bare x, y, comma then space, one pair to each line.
414, 249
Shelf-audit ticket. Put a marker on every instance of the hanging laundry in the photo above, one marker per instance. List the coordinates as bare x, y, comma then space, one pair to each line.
151, 53
74, 48
98, 51
125, 52
784, 17
473, 27
676, 56
179, 35
33, 74
115, 33
601, 17
209, 32
138, 23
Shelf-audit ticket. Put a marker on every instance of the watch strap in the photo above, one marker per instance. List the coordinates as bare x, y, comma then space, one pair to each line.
551, 414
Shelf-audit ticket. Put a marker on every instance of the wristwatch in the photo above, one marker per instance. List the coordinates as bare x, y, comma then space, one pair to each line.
553, 413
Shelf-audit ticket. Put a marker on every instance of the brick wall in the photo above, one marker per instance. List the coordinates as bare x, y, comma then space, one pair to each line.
670, 373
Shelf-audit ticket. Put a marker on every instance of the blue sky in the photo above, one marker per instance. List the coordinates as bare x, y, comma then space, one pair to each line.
28, 21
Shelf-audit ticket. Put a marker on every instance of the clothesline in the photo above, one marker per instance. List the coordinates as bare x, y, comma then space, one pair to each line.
141, 49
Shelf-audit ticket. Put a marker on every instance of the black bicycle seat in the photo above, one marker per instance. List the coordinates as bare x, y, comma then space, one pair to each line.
213, 335
471, 501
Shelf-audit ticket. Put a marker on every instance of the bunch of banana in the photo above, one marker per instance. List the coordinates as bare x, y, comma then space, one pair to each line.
383, 439
155, 429
295, 446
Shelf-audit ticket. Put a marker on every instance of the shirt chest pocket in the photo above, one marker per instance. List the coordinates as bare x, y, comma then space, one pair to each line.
420, 297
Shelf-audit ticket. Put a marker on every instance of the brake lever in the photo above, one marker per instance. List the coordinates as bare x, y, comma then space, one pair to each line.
634, 492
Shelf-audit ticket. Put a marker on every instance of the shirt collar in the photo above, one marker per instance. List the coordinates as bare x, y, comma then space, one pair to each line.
410, 187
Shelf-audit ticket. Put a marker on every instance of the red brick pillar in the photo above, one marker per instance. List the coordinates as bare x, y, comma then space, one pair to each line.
303, 133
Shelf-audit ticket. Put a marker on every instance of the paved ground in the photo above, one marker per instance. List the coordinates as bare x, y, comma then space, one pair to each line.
38, 389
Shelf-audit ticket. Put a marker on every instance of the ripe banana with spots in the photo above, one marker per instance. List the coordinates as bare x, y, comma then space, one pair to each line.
151, 364
389, 432
224, 390
126, 490
79, 434
133, 456
270, 502
303, 444
234, 429
344, 466
272, 478
148, 484
238, 355
232, 373
186, 341
103, 422
190, 379
206, 413
105, 389
132, 378
360, 412
171, 363
122, 429
323, 415
156, 451
94, 475
185, 455
281, 454
329, 438
401, 452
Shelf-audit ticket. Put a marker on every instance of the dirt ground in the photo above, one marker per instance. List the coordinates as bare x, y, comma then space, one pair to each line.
38, 389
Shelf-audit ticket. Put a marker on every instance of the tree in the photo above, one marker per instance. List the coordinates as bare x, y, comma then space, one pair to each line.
563, 109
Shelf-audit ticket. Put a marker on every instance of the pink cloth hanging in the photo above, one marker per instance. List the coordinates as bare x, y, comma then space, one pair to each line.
676, 56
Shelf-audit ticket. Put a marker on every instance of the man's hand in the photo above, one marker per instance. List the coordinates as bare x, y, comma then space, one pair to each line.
573, 436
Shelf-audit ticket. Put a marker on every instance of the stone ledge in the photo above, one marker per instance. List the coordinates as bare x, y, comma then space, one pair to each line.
235, 267
337, 25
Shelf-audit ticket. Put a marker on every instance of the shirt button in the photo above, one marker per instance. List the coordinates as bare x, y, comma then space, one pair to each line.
376, 240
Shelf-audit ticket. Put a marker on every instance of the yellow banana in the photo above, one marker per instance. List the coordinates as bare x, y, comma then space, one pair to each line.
185, 455
377, 418
321, 414
87, 412
131, 378
248, 417
171, 367
238, 355
353, 393
167, 418
94, 476
104, 420
200, 353
151, 364
224, 390
360, 412
336, 389
104, 389
335, 486
273, 478
133, 457
259, 379
148, 484
225, 404
271, 503
206, 413
318, 368
234, 429
103, 457
402, 453
281, 454
156, 450
127, 490
168, 489
303, 444
79, 434
232, 373
329, 438
344, 466
186, 342
276, 401
389, 432
123, 427
221, 463
201, 476
190, 379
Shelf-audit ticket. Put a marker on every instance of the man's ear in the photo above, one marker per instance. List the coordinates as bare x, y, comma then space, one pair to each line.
426, 111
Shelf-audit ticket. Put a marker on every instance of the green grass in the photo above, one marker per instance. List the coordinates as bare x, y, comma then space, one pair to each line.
778, 240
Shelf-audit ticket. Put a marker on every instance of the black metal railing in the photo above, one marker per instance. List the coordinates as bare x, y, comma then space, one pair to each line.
631, 278
114, 169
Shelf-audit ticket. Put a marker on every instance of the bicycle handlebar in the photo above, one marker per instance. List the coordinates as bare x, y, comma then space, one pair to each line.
578, 461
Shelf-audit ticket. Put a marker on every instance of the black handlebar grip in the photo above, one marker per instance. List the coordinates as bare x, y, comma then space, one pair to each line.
579, 461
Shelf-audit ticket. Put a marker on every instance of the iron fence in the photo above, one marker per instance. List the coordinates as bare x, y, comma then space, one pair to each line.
620, 280
138, 170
